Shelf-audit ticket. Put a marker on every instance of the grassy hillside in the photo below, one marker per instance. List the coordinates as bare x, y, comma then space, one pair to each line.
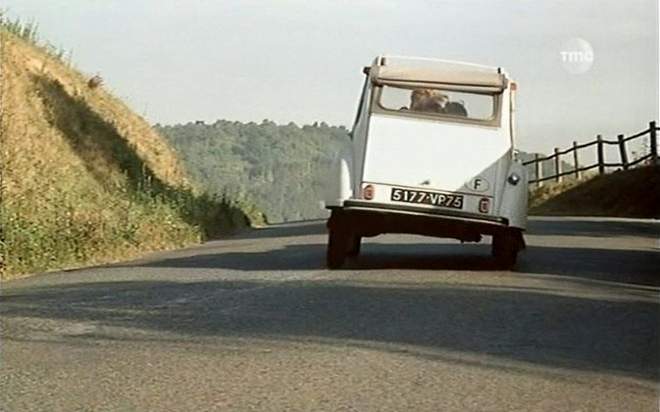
82, 178
632, 193
279, 167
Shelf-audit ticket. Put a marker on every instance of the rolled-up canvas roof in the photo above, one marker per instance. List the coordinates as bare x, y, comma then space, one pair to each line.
454, 78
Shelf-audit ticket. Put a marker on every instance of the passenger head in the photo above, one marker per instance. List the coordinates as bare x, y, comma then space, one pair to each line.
416, 98
428, 100
456, 109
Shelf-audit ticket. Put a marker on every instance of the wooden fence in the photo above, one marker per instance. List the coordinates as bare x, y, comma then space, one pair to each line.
601, 164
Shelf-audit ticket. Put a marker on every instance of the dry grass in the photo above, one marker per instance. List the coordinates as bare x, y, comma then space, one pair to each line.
632, 193
83, 179
550, 189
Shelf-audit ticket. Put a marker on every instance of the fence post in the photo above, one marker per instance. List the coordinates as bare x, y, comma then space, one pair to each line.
538, 169
576, 162
601, 156
557, 166
622, 152
654, 143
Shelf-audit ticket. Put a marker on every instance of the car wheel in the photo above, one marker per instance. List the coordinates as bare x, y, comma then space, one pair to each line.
505, 249
337, 248
354, 245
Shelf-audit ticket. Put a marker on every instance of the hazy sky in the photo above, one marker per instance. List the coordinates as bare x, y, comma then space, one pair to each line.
297, 60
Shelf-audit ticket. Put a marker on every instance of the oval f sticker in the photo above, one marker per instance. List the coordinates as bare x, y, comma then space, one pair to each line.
479, 184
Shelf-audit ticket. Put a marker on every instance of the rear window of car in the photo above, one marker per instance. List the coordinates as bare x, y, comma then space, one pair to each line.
443, 103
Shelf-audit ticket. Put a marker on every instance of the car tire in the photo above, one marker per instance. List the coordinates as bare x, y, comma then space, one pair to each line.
354, 245
337, 247
506, 246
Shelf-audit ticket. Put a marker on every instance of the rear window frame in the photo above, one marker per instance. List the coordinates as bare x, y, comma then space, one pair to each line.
377, 107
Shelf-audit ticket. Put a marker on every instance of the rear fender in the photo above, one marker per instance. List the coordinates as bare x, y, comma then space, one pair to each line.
338, 182
514, 197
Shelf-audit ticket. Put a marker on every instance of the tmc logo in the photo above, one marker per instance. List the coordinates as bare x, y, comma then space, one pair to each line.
577, 56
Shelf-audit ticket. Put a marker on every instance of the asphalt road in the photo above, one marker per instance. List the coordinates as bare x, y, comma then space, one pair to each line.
255, 322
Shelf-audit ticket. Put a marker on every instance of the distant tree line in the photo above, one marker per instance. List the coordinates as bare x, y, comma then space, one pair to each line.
278, 167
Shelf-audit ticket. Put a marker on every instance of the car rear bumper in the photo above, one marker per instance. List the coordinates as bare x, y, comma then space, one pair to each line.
366, 218
410, 209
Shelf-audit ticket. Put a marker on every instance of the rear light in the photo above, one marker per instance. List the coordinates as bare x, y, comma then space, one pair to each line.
368, 192
484, 205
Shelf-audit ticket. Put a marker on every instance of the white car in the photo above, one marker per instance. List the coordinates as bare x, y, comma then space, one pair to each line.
432, 154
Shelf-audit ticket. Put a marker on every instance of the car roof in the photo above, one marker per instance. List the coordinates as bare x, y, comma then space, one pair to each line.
411, 71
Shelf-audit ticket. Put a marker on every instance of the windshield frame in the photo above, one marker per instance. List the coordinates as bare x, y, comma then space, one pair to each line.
377, 107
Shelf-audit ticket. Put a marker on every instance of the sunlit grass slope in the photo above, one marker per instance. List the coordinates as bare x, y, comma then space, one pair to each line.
630, 193
84, 179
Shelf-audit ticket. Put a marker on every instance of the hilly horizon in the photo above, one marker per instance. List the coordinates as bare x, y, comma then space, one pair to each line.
86, 180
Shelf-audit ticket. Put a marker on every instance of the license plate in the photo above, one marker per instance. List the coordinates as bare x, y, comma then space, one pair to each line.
427, 198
